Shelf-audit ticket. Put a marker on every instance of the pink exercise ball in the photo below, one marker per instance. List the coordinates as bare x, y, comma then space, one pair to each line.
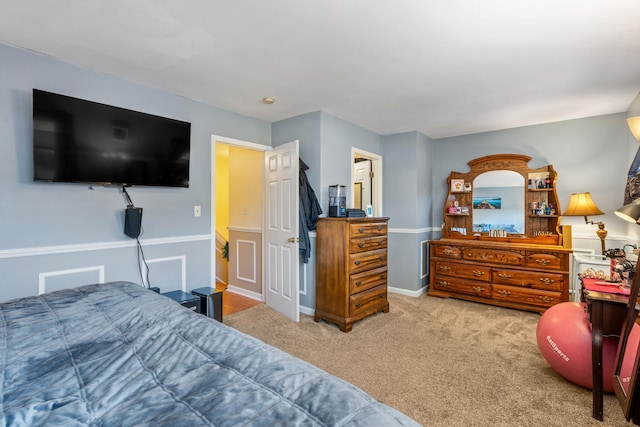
564, 339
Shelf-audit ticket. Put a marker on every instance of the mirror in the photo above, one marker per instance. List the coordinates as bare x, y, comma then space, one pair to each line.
498, 202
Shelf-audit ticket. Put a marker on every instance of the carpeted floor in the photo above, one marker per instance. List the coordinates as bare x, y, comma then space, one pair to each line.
443, 362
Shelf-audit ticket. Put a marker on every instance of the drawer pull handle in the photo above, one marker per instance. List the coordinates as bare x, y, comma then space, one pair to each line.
360, 230
444, 283
546, 280
445, 268
382, 258
477, 273
546, 299
504, 293
447, 251
361, 245
359, 283
358, 262
380, 242
380, 228
383, 276
543, 261
359, 303
505, 276
478, 289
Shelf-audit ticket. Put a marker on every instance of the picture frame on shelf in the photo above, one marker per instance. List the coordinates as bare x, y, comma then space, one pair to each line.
457, 185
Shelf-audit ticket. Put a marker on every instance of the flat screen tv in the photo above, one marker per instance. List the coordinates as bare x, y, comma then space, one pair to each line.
76, 140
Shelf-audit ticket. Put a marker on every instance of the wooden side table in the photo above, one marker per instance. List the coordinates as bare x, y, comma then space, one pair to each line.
210, 301
607, 312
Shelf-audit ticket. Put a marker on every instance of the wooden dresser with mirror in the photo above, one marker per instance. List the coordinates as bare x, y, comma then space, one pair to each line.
502, 242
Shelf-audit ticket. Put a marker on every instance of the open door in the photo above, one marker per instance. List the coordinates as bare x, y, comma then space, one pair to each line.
280, 233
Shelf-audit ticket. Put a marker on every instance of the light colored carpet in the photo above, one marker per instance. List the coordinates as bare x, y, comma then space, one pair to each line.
444, 362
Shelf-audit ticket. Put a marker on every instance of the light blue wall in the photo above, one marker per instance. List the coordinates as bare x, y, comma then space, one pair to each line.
338, 137
588, 154
407, 201
57, 232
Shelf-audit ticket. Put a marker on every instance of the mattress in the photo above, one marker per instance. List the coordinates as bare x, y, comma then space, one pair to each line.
117, 354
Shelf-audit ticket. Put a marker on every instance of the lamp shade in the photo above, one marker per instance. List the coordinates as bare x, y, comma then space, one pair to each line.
581, 204
630, 212
634, 126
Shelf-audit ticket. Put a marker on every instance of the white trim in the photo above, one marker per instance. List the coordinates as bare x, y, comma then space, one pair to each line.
307, 310
42, 277
245, 230
239, 143
249, 294
303, 291
413, 230
85, 247
183, 266
253, 246
414, 294
424, 269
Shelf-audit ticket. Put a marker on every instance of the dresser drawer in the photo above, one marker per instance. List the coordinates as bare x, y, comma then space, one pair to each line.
368, 229
529, 279
475, 272
544, 260
367, 280
367, 261
448, 251
526, 296
367, 244
493, 256
453, 284
369, 300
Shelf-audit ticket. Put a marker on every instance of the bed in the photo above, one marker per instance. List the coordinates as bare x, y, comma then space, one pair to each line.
117, 354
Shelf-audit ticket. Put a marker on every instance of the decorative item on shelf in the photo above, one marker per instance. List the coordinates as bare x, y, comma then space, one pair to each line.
581, 204
467, 187
457, 185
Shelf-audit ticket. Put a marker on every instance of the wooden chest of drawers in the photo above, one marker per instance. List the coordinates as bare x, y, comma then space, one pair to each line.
526, 277
351, 269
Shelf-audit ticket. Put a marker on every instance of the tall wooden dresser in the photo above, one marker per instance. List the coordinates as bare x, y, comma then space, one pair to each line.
351, 269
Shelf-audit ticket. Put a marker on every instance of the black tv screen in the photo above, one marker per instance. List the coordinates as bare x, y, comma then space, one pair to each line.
76, 140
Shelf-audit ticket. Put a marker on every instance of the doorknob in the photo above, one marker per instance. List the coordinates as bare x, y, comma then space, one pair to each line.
293, 240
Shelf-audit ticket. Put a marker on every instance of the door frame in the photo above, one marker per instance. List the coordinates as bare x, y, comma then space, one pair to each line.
215, 139
376, 167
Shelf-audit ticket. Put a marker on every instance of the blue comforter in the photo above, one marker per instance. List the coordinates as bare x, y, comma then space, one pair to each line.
117, 354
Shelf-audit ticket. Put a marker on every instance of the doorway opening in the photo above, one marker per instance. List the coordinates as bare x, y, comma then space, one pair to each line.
366, 181
236, 215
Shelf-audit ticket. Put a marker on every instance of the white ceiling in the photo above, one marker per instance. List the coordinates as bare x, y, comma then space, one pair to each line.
443, 68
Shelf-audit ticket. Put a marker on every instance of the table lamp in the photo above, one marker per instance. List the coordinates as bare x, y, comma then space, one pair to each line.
630, 212
581, 204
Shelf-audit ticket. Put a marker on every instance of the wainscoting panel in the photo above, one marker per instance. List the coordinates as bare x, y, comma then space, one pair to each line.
56, 280
245, 261
169, 273
180, 262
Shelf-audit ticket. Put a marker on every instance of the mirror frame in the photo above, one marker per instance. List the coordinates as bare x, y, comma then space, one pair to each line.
629, 401
539, 229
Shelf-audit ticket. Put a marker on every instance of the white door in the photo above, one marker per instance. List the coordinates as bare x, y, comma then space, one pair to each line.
362, 175
281, 256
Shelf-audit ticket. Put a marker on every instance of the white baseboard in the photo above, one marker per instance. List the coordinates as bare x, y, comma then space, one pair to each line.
414, 294
245, 293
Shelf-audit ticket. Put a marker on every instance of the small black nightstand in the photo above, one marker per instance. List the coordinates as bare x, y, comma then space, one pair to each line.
185, 300
210, 301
